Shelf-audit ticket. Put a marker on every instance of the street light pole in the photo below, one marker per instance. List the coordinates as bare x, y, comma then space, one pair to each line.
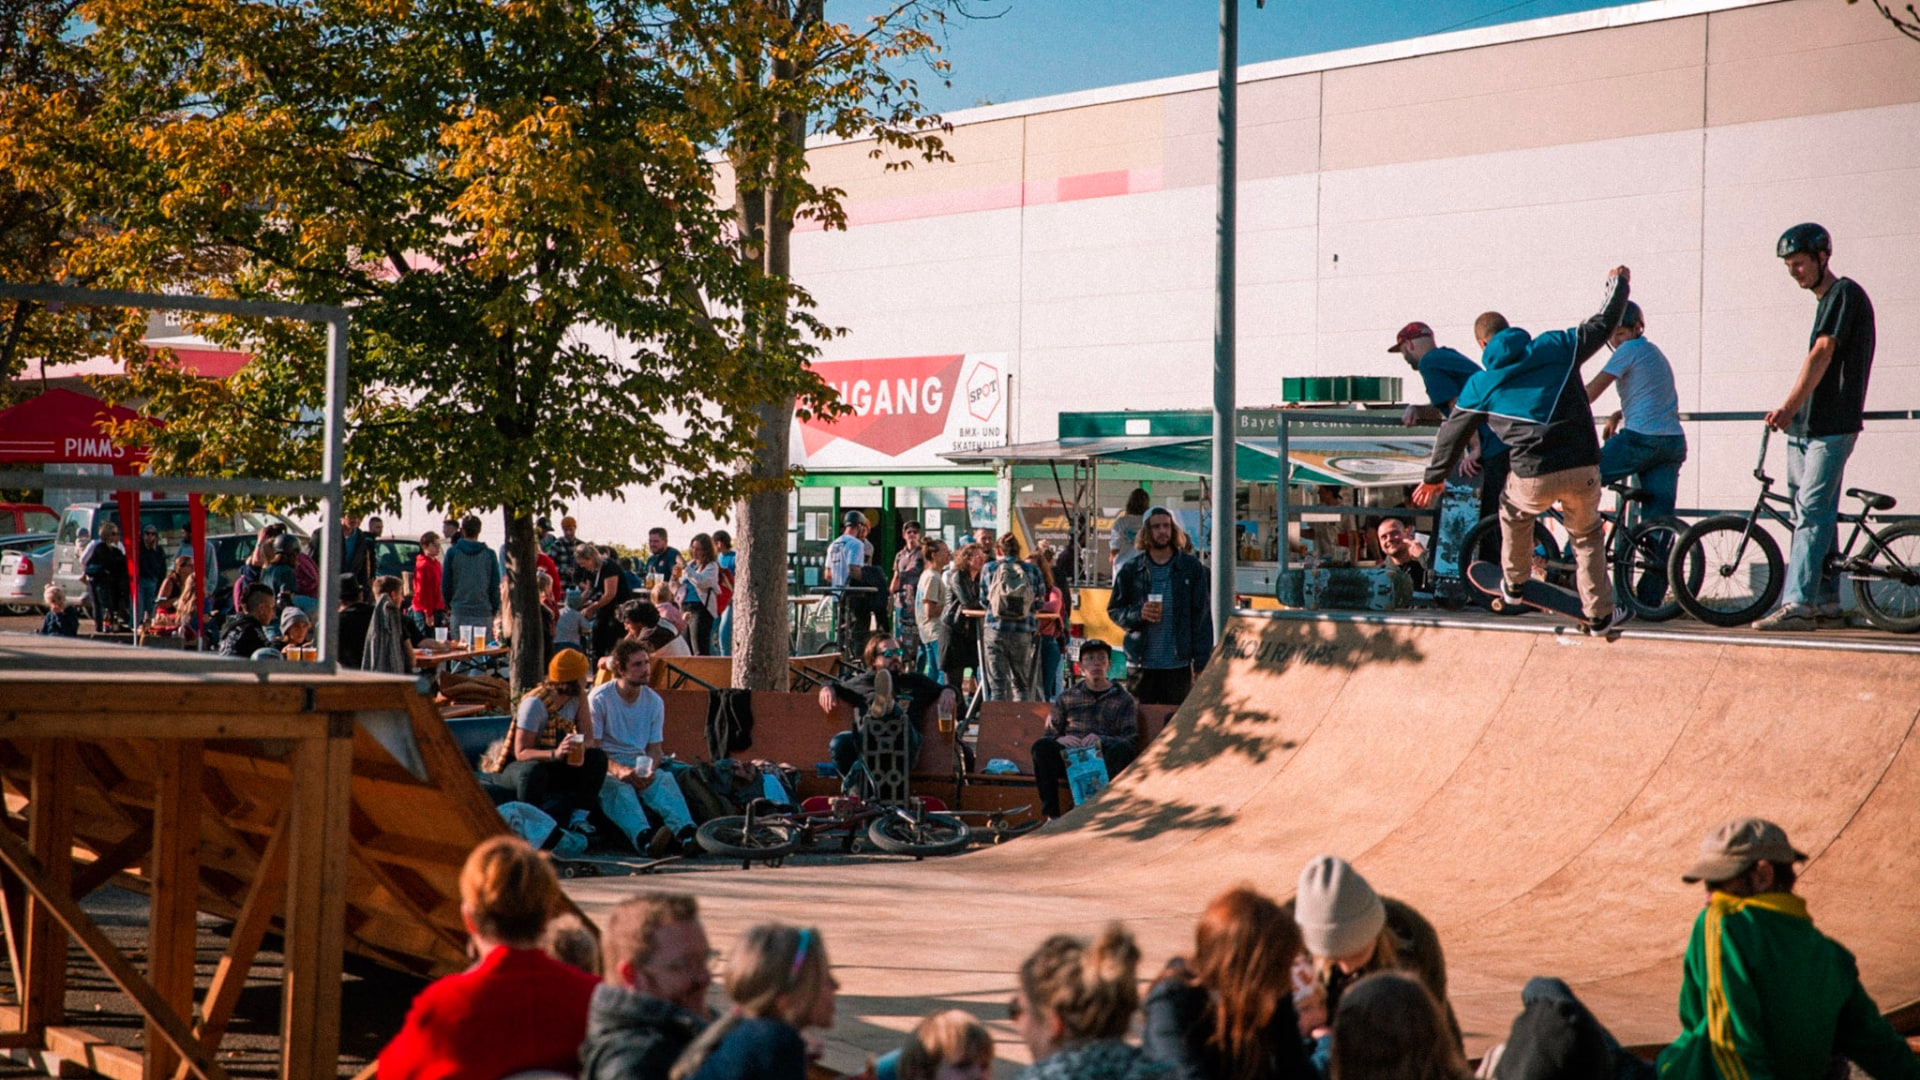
1225, 441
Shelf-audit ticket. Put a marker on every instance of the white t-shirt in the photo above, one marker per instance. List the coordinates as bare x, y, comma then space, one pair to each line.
1648, 403
846, 552
533, 712
1122, 537
933, 587
627, 729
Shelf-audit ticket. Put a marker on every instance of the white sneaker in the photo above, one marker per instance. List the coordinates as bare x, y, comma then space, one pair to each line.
1790, 617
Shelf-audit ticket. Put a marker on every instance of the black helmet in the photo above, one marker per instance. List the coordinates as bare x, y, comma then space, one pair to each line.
286, 544
1803, 237
852, 518
1631, 316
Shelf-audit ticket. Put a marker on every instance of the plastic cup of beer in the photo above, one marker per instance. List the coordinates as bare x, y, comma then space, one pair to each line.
440, 634
576, 749
946, 716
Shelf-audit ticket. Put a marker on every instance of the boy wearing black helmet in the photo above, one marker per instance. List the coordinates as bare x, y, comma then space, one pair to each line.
1822, 419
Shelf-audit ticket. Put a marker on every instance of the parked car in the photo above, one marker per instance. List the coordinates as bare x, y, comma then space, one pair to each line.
20, 519
83, 520
26, 565
394, 557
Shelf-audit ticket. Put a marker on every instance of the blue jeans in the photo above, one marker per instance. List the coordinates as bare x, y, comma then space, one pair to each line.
623, 806
1814, 467
1654, 458
1049, 668
723, 633
930, 660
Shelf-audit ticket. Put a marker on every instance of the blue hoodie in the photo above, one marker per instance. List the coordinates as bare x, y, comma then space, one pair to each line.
1531, 394
470, 579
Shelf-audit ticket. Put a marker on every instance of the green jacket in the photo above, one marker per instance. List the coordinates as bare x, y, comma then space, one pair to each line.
1766, 996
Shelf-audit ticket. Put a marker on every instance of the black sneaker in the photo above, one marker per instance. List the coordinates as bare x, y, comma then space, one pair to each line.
1614, 620
688, 842
1511, 593
663, 844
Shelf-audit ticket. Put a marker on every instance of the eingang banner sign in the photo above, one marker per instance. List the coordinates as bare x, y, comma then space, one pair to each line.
907, 411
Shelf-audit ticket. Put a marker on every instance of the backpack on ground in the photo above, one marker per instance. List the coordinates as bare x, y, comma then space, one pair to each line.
1010, 596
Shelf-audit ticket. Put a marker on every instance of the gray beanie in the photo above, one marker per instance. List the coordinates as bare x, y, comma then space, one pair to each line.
1338, 912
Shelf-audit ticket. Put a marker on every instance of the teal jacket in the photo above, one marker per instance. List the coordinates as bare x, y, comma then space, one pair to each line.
1765, 995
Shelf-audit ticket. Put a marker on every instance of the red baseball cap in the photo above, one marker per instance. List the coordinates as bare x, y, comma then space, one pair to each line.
1408, 333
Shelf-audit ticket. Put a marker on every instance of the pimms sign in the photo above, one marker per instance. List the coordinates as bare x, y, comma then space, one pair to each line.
906, 411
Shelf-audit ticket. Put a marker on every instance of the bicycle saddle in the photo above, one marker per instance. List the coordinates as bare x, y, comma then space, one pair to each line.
1873, 499
1631, 494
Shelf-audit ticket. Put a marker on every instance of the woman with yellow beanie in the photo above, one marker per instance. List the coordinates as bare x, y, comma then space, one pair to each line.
553, 755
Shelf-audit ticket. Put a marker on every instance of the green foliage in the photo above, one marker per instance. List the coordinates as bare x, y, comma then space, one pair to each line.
43, 102
509, 195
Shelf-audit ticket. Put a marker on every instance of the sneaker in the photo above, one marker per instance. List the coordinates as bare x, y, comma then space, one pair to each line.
882, 693
1830, 618
1789, 617
662, 844
1511, 593
1613, 620
567, 844
688, 842
581, 824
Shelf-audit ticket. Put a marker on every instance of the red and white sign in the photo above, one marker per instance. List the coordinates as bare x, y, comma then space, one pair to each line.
907, 411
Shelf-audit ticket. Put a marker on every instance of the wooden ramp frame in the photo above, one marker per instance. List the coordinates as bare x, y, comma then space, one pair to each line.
335, 810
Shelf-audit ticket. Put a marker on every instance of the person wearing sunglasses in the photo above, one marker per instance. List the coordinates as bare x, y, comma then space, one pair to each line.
913, 692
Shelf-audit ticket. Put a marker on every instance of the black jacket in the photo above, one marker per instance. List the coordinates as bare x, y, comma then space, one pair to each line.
1179, 1022
245, 637
1189, 606
631, 1036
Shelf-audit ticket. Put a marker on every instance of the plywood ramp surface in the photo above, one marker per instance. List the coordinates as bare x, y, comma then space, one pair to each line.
1537, 795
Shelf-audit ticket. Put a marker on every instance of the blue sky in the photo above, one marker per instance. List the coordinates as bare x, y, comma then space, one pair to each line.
1038, 47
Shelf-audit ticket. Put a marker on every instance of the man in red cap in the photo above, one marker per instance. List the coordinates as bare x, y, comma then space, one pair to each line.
1444, 371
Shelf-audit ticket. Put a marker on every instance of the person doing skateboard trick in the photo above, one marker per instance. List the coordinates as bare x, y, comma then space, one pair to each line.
1530, 393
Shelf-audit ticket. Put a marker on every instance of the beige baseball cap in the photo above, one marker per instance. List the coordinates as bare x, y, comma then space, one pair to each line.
1729, 850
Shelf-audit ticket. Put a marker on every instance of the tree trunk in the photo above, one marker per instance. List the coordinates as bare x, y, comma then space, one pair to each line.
760, 611
761, 644
529, 656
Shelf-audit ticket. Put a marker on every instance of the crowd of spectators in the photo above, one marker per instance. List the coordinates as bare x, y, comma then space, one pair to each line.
1337, 982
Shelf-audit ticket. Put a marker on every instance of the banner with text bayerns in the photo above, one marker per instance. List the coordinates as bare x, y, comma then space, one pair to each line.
907, 411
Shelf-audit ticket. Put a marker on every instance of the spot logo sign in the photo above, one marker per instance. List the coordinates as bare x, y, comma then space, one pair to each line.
907, 411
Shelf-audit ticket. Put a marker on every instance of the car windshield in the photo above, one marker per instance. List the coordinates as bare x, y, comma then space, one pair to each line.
39, 521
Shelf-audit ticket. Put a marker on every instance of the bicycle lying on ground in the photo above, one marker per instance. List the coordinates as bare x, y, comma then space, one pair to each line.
1728, 571
768, 834
875, 806
1636, 555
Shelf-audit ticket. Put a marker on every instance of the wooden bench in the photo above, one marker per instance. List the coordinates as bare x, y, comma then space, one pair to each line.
1008, 730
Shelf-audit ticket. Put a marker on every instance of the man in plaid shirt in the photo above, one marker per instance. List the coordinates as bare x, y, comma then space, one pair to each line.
1096, 712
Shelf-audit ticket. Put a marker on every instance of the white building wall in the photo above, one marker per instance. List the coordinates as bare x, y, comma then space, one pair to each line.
1508, 176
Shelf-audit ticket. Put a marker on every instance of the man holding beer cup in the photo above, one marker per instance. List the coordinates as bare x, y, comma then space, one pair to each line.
912, 690
1163, 602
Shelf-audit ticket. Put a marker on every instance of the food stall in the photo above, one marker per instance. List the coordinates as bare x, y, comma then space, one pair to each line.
1344, 468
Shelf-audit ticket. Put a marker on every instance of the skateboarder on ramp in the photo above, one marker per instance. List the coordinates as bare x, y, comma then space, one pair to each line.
1531, 394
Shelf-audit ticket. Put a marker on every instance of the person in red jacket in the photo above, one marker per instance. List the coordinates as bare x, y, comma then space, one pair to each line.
429, 607
517, 1009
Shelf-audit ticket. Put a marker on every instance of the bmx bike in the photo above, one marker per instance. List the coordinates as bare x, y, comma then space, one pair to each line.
1637, 553
1728, 570
875, 806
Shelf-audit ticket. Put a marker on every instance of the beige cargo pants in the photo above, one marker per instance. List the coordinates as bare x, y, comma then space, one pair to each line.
1578, 493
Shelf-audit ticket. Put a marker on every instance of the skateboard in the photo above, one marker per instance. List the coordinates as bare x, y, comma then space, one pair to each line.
1534, 594
586, 868
883, 751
